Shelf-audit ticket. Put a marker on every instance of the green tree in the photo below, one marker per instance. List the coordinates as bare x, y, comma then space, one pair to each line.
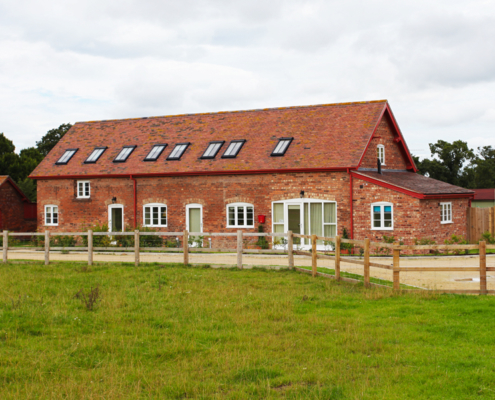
28, 186
9, 160
51, 138
481, 172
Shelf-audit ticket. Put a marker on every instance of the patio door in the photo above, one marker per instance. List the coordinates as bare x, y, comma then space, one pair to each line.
294, 220
116, 218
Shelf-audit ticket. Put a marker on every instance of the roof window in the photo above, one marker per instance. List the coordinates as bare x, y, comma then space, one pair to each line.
124, 154
233, 149
155, 152
95, 155
281, 147
212, 149
178, 150
66, 156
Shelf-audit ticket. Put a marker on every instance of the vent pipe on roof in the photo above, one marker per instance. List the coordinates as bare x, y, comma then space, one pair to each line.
379, 166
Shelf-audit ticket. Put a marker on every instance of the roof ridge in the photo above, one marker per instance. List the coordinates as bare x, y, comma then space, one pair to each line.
239, 111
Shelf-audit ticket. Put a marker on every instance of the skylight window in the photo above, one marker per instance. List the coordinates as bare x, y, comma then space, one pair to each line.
95, 155
212, 149
155, 152
66, 156
124, 153
178, 150
233, 149
281, 147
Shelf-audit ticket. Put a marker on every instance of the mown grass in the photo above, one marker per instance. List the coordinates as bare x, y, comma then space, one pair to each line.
168, 331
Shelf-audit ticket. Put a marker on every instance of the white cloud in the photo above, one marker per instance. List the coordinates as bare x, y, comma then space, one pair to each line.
85, 60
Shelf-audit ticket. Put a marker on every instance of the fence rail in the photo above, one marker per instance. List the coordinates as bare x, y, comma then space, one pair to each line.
289, 250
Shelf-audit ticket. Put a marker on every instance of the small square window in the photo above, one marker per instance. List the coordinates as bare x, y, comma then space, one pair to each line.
124, 154
382, 216
233, 149
51, 215
178, 151
66, 156
212, 150
95, 155
281, 147
83, 190
155, 152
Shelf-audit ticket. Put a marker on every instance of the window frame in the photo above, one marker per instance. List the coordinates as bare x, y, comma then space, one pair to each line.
62, 156
158, 155
238, 205
84, 196
104, 148
51, 206
221, 142
160, 224
133, 147
382, 205
278, 154
233, 142
382, 148
170, 158
442, 213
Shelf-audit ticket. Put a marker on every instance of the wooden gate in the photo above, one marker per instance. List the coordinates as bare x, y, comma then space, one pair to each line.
480, 220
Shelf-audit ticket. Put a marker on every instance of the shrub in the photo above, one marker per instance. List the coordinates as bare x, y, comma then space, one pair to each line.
345, 246
98, 241
63, 241
425, 242
488, 237
262, 242
454, 239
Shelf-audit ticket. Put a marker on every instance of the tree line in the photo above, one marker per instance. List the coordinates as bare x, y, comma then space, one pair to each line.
19, 166
459, 165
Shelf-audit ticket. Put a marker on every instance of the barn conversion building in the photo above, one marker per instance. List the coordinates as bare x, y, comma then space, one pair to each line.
17, 213
312, 170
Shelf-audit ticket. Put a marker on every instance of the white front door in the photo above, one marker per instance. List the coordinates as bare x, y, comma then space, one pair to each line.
194, 218
116, 218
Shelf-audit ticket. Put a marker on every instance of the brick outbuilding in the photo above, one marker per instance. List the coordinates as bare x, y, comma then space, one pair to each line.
17, 213
310, 169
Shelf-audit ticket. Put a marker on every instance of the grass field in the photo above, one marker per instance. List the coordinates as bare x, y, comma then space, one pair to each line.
167, 331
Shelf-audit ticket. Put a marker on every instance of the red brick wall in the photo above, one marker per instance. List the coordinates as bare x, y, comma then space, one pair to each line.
413, 218
213, 192
384, 135
12, 209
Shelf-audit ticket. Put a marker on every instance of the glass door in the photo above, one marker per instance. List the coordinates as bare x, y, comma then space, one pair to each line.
194, 222
294, 218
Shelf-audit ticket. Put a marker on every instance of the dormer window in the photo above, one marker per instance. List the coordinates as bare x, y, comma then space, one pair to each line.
281, 147
155, 152
124, 154
212, 149
66, 156
233, 149
95, 155
380, 153
178, 151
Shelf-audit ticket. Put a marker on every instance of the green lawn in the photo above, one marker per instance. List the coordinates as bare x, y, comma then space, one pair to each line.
167, 331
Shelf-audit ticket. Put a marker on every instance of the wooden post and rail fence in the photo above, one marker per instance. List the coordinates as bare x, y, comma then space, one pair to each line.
288, 248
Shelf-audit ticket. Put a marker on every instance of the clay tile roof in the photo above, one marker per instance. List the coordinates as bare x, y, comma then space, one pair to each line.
416, 183
3, 178
484, 194
325, 136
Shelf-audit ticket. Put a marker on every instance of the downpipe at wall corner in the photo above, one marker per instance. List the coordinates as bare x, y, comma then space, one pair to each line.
135, 200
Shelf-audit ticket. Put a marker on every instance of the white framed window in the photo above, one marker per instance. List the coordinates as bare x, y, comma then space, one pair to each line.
155, 214
240, 215
306, 217
380, 153
83, 190
51, 215
446, 213
382, 216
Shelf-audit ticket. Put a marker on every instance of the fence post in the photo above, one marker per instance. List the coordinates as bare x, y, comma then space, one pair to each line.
47, 247
136, 248
239, 249
337, 257
483, 267
396, 272
367, 263
185, 247
5, 245
290, 249
313, 255
90, 247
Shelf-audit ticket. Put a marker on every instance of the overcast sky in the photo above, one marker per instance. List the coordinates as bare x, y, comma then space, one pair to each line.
68, 61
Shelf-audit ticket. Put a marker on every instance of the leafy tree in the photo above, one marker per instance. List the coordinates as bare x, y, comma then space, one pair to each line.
51, 138
481, 172
28, 186
9, 160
